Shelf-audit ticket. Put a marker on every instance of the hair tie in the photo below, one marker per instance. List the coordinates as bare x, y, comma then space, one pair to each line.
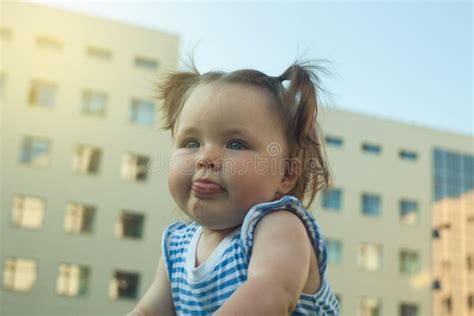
282, 78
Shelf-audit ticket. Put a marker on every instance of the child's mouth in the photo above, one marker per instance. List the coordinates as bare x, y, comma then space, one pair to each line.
206, 188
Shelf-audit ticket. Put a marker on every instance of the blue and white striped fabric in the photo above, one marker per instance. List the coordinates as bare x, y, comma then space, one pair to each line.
202, 290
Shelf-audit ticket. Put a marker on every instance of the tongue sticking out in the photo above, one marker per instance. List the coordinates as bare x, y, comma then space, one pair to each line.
206, 187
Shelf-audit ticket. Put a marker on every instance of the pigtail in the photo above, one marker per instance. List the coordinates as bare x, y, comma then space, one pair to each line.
301, 99
173, 91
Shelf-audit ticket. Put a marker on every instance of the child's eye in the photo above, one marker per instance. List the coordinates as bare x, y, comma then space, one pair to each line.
191, 144
236, 145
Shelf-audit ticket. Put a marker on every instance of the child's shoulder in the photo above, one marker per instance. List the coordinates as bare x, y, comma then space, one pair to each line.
286, 213
287, 206
287, 203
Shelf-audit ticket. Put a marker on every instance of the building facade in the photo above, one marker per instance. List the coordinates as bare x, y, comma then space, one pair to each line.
84, 195
453, 233
379, 217
80, 210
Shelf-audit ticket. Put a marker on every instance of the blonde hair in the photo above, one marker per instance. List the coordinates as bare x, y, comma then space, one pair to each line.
296, 104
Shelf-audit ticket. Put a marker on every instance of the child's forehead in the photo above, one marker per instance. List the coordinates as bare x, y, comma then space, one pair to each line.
229, 105
230, 92
229, 98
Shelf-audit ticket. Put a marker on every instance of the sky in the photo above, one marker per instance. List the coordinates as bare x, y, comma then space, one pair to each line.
403, 61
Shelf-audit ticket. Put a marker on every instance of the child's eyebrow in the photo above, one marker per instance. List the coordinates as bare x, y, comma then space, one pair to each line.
227, 132
237, 131
187, 130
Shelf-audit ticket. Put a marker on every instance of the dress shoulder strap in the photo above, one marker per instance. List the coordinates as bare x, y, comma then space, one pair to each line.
291, 204
173, 242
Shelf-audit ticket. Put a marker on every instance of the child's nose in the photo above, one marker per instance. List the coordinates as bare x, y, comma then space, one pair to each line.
209, 158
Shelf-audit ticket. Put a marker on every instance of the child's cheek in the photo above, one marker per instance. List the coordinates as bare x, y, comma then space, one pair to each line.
248, 186
180, 177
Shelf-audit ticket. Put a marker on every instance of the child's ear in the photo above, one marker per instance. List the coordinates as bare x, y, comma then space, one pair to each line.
290, 177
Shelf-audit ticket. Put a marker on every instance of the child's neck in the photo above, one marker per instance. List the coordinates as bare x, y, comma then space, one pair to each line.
212, 234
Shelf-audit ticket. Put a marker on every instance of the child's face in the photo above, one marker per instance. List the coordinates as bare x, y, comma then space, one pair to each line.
247, 166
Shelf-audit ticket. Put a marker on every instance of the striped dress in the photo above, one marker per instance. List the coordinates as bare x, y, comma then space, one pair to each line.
202, 290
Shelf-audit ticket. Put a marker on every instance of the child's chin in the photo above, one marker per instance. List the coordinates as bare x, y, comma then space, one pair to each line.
208, 197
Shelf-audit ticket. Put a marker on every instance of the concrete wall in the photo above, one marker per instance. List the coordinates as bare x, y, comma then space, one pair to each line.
72, 71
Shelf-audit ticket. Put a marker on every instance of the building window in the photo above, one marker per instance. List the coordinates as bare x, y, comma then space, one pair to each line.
470, 302
409, 262
334, 141
86, 159
99, 53
408, 309
447, 305
435, 233
5, 34
371, 149
28, 211
124, 285
332, 200
146, 63
49, 43
35, 151
409, 212
19, 274
42, 93
142, 112
79, 218
93, 103
407, 155
470, 219
468, 171
436, 285
370, 306
370, 257
134, 167
72, 280
129, 225
470, 262
453, 173
370, 205
334, 248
